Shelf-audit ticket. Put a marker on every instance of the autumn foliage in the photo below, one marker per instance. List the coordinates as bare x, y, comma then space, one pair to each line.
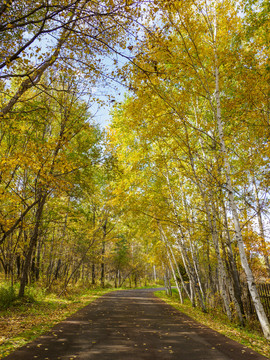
177, 187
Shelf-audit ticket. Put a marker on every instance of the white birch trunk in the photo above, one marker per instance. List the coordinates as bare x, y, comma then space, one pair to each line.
179, 273
260, 223
195, 262
174, 277
189, 269
191, 247
165, 241
171, 254
232, 264
213, 229
191, 285
154, 273
192, 275
221, 270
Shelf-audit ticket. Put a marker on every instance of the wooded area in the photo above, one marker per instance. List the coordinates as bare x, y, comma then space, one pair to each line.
176, 188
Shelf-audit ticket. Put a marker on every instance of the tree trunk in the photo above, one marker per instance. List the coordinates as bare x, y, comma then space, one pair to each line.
32, 244
154, 274
169, 251
93, 274
102, 271
232, 268
171, 254
189, 269
167, 281
192, 275
260, 223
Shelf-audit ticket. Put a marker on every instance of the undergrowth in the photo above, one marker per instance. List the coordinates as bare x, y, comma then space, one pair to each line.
7, 296
24, 319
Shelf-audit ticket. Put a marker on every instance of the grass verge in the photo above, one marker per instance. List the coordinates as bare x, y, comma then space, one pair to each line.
221, 324
27, 319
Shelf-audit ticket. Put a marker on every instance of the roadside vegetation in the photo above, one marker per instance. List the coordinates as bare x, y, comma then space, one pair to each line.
24, 319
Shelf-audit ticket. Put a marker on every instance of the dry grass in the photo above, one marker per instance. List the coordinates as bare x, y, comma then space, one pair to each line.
25, 320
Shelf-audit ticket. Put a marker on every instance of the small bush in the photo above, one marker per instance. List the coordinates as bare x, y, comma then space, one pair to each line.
35, 293
7, 296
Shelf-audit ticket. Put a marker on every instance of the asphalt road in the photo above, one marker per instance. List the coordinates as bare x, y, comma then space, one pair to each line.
132, 325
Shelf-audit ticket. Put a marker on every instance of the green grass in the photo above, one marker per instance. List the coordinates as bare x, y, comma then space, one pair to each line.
218, 321
23, 320
7, 296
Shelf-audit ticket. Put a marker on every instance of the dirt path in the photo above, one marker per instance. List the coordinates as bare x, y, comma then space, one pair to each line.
132, 325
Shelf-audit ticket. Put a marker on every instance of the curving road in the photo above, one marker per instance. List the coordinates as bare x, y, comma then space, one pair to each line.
132, 325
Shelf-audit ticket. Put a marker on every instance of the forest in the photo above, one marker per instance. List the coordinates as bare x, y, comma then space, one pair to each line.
175, 190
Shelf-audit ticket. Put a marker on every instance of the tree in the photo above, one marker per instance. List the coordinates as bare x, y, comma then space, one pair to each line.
70, 36
192, 94
54, 152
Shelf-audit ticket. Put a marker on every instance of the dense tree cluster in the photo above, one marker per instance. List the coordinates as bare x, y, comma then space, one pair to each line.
181, 187
54, 215
193, 142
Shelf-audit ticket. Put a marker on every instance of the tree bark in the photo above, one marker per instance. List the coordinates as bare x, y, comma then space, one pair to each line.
93, 274
169, 253
32, 244
260, 223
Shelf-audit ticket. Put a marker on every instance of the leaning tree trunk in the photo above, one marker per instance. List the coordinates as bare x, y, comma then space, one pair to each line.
164, 237
174, 277
169, 251
179, 273
191, 248
193, 276
224, 280
232, 268
191, 280
221, 270
260, 222
32, 244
